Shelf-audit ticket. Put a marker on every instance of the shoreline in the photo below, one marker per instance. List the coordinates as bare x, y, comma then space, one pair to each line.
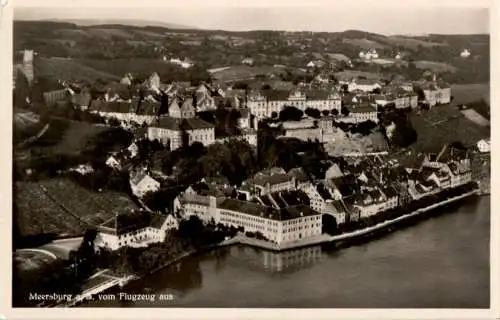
337, 240
348, 236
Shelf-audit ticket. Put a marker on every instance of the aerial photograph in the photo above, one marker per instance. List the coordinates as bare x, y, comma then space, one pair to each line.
232, 157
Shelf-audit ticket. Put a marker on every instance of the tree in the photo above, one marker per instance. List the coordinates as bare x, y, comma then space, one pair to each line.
335, 112
313, 113
290, 113
274, 114
266, 87
345, 111
377, 91
326, 112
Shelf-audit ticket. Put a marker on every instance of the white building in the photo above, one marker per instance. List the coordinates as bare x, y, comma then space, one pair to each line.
322, 200
373, 202
112, 162
360, 113
364, 85
465, 53
186, 64
484, 145
277, 225
141, 183
143, 232
264, 106
369, 55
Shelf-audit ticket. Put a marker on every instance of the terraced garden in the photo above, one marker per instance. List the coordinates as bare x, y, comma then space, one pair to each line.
61, 206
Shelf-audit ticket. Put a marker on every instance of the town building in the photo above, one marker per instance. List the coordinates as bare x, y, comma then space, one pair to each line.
465, 53
280, 226
375, 201
177, 132
262, 184
323, 200
248, 61
186, 63
360, 113
436, 93
265, 104
368, 55
141, 183
134, 230
364, 85
484, 145
52, 97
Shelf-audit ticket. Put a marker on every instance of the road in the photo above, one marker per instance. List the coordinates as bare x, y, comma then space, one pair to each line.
61, 248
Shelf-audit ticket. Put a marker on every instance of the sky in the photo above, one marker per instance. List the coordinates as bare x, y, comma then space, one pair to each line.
378, 19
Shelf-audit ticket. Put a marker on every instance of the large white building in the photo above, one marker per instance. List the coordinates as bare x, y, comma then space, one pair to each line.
277, 225
265, 104
139, 231
360, 113
181, 127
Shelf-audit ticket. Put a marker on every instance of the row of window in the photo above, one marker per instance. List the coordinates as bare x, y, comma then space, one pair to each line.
299, 228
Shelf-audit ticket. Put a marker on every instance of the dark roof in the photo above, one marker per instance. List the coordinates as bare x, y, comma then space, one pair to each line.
366, 82
324, 193
317, 94
127, 222
295, 197
338, 205
362, 108
81, 99
258, 210
276, 95
148, 108
179, 124
113, 107
272, 179
299, 174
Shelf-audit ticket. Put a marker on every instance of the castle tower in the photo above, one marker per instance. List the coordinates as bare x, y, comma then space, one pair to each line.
28, 65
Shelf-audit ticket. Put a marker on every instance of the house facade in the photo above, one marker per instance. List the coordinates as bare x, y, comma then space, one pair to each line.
264, 105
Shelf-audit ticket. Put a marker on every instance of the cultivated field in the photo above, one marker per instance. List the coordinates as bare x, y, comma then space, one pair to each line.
364, 43
237, 73
119, 67
435, 66
349, 74
465, 93
408, 43
445, 124
67, 137
61, 206
69, 69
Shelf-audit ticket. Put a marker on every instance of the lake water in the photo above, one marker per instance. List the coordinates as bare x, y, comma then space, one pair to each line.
441, 262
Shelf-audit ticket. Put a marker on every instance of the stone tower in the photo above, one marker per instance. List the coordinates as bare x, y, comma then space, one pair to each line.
28, 65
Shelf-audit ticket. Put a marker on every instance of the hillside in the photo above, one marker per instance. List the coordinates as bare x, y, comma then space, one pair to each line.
68, 69
216, 48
